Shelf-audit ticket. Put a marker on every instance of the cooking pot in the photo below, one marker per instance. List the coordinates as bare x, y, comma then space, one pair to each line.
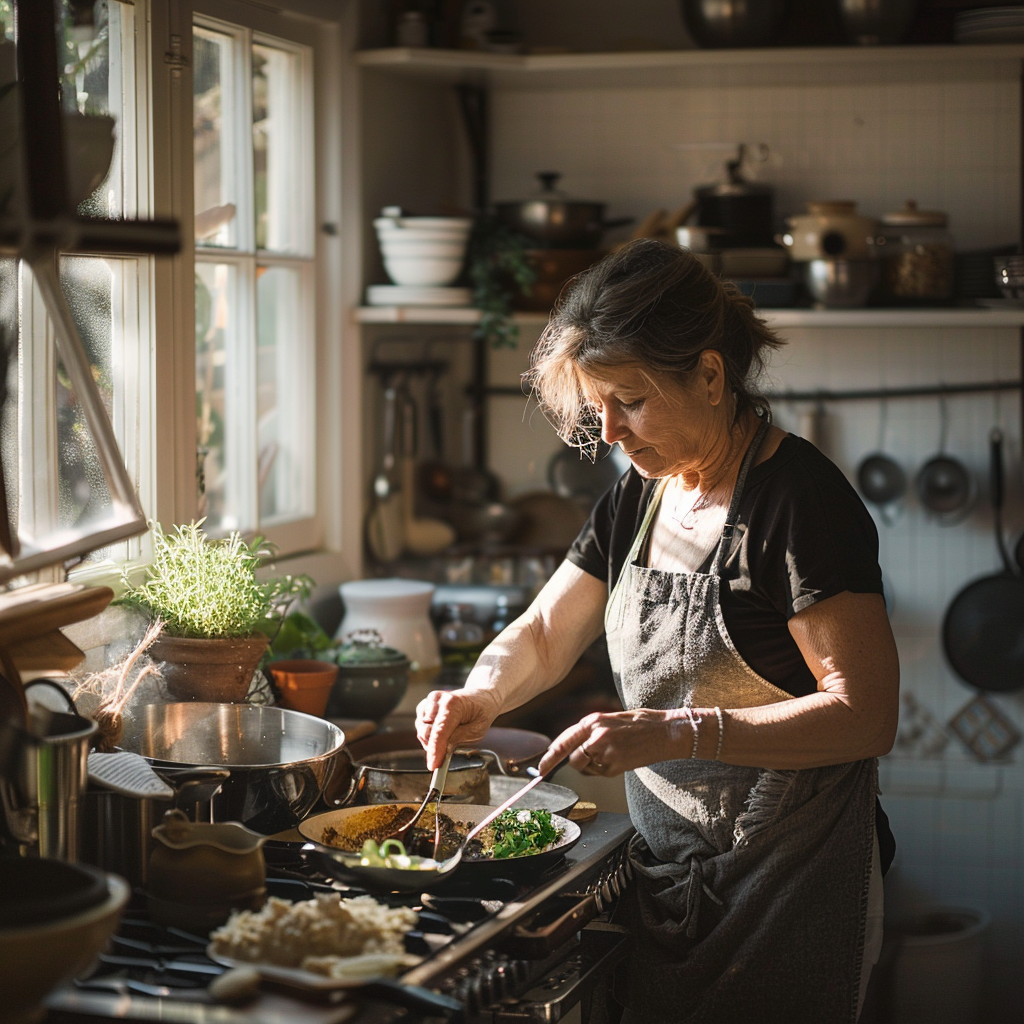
741, 209
556, 222
830, 230
392, 766
372, 678
280, 761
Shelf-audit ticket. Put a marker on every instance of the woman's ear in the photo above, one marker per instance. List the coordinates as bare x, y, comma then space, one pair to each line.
711, 375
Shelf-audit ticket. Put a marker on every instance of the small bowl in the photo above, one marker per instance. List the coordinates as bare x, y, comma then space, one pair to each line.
400, 248
35, 958
368, 691
304, 684
841, 284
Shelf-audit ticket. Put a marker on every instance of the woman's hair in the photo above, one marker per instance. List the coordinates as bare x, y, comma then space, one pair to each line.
651, 305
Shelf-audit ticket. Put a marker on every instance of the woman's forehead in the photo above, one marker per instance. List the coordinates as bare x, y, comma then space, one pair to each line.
608, 377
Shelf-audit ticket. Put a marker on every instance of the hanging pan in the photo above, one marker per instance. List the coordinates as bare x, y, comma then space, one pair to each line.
983, 631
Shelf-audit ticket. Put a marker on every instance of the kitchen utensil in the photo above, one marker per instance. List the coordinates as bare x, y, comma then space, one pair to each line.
945, 486
434, 794
422, 535
200, 871
741, 23
981, 631
473, 483
371, 678
304, 683
831, 229
41, 796
876, 22
279, 761
399, 610
347, 865
841, 283
434, 474
123, 805
556, 222
741, 209
384, 528
573, 475
397, 776
882, 481
36, 956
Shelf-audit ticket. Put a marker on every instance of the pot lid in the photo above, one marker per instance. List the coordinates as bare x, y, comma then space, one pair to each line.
367, 647
911, 216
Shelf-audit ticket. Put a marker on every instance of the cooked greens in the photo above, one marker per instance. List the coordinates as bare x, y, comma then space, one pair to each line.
517, 833
391, 854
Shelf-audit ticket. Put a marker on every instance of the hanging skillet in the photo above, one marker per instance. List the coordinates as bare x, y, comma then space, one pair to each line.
983, 631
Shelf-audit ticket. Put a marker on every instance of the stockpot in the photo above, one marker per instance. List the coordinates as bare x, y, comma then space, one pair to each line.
556, 222
279, 761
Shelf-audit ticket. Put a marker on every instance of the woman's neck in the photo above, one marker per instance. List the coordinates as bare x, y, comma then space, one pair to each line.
722, 465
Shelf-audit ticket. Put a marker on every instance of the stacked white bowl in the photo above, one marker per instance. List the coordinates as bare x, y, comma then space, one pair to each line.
423, 251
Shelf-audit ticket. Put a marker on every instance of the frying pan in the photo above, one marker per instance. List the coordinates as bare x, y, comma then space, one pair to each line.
337, 862
983, 630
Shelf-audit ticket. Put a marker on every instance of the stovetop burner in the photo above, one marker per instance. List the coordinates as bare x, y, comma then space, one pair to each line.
152, 972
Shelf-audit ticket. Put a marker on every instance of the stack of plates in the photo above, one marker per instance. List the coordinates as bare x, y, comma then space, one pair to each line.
990, 25
416, 295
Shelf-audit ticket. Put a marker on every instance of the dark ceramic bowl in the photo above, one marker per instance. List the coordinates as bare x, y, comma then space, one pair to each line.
368, 691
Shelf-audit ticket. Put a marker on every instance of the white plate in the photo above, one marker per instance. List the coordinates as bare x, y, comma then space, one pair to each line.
307, 980
412, 295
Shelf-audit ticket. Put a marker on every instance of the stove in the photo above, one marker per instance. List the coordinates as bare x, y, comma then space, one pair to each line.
496, 951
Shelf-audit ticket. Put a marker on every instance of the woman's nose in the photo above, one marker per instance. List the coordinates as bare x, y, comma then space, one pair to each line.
612, 427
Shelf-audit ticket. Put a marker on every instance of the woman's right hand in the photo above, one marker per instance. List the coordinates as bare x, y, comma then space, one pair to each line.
446, 719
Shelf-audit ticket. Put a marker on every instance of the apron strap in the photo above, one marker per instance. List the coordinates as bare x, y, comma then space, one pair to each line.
737, 492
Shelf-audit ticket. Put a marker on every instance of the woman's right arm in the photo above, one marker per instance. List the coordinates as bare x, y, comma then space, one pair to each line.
529, 656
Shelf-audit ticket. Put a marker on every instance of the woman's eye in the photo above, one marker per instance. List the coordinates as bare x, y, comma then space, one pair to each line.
635, 404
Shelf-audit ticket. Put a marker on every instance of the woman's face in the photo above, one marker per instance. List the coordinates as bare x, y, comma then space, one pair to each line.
664, 427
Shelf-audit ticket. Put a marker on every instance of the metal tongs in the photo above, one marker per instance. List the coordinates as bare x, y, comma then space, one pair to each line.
437, 781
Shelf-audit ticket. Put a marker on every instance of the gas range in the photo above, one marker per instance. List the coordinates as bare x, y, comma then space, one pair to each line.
501, 950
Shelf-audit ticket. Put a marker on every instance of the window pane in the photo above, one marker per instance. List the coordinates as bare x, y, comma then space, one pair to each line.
214, 113
216, 334
83, 498
283, 403
277, 117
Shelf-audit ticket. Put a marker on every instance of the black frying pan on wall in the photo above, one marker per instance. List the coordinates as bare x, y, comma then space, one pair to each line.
983, 630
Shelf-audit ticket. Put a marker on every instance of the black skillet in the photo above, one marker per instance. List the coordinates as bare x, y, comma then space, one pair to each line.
983, 631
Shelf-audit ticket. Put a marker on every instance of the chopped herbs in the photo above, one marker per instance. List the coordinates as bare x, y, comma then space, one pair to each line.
517, 833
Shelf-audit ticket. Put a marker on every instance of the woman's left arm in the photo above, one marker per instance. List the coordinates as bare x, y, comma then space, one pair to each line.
848, 645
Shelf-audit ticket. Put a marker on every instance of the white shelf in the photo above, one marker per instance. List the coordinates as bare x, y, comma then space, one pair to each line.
776, 317
677, 67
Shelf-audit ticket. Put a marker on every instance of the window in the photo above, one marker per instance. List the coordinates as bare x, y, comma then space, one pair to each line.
254, 279
54, 483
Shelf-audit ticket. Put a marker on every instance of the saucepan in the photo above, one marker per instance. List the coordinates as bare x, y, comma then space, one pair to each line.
280, 761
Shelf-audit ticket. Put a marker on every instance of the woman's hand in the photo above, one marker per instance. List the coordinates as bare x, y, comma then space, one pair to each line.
610, 744
446, 719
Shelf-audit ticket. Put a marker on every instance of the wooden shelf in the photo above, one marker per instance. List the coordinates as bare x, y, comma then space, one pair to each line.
684, 67
931, 317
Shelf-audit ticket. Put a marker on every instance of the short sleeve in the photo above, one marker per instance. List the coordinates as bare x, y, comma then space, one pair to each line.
809, 535
591, 550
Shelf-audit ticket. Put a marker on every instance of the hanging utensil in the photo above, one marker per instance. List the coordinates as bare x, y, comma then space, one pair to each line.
983, 629
422, 535
384, 528
881, 478
945, 486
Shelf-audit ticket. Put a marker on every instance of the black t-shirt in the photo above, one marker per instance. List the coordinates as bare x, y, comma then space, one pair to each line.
803, 535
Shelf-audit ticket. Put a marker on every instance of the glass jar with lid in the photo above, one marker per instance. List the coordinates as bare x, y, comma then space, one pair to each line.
917, 256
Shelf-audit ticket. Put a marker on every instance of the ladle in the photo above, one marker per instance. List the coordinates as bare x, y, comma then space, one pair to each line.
437, 781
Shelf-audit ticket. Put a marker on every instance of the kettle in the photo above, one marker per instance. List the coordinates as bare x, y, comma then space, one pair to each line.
740, 209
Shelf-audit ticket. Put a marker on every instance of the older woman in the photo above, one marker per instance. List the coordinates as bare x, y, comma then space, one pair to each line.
734, 572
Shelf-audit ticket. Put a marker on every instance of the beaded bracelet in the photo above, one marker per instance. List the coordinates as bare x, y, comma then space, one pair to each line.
721, 730
696, 735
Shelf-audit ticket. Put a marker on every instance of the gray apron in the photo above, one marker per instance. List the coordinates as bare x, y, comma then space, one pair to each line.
751, 885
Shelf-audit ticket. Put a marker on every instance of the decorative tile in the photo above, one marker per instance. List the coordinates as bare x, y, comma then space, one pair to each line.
984, 729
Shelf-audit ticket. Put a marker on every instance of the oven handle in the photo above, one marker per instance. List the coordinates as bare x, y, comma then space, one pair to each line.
533, 943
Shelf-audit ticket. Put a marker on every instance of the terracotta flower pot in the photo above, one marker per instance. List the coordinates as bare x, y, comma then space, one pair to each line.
304, 684
218, 671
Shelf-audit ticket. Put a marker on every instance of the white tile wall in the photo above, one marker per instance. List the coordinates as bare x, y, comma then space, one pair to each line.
951, 145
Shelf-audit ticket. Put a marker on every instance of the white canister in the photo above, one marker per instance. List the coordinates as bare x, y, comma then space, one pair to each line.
400, 611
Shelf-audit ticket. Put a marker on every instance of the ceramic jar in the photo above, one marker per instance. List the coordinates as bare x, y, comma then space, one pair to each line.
830, 230
399, 610
199, 872
917, 254
372, 678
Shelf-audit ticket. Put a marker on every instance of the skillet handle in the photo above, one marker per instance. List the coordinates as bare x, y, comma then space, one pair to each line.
996, 486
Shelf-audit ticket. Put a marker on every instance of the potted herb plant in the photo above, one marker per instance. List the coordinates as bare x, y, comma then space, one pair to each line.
217, 617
